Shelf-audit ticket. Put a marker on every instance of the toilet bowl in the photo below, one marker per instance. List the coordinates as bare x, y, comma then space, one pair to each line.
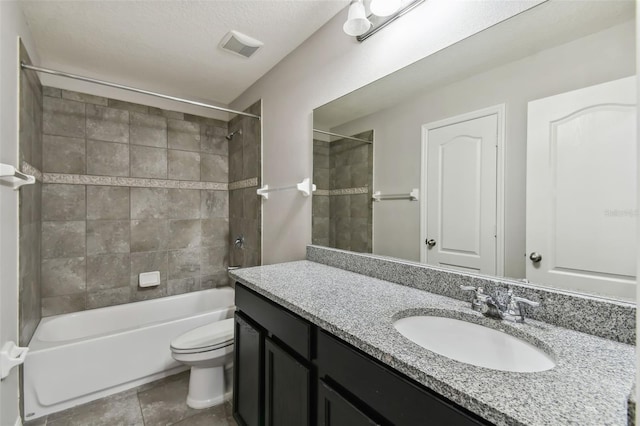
207, 350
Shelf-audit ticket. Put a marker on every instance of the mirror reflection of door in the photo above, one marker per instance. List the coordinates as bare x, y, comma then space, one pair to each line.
460, 177
581, 189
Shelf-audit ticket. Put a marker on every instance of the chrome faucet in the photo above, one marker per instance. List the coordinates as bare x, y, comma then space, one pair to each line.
490, 307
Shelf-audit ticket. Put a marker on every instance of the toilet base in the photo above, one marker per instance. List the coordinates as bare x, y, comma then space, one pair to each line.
206, 387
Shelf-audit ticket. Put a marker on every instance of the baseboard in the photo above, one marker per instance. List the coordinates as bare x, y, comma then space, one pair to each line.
18, 421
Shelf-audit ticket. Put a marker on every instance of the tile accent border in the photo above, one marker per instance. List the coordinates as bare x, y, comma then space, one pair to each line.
344, 191
30, 170
607, 318
349, 191
241, 184
70, 179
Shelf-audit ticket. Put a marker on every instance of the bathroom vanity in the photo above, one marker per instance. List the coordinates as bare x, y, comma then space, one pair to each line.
316, 344
308, 373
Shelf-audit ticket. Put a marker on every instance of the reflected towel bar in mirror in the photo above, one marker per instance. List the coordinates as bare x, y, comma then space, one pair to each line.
411, 196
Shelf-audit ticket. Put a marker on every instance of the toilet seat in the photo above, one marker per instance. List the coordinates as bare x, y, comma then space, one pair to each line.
205, 338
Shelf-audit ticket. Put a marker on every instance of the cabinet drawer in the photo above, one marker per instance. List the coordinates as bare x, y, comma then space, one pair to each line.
392, 396
287, 327
336, 410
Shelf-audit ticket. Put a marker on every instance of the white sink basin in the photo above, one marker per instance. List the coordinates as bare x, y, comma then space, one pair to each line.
474, 344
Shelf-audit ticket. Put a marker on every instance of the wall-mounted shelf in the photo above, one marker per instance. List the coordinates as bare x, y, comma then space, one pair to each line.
305, 187
411, 196
14, 176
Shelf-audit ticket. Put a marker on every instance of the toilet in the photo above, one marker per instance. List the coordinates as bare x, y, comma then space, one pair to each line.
207, 350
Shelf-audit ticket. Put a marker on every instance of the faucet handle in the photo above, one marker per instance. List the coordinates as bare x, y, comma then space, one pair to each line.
531, 303
515, 310
479, 302
479, 291
516, 299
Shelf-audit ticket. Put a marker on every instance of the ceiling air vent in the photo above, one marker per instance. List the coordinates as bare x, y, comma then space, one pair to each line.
240, 44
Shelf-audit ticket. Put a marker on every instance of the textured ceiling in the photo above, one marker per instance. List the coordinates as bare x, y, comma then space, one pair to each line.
172, 46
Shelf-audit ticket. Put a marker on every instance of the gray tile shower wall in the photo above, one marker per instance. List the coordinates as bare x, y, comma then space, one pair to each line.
321, 198
245, 206
129, 189
342, 209
30, 147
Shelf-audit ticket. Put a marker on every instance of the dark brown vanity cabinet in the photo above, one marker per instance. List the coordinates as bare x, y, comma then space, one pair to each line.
385, 394
289, 372
335, 410
287, 388
248, 376
272, 367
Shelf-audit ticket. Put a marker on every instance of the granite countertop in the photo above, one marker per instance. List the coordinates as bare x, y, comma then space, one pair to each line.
589, 385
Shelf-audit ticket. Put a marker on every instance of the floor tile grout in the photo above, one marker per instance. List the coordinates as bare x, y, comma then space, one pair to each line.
139, 407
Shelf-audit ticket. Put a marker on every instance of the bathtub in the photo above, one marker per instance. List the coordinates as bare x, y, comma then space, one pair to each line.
76, 358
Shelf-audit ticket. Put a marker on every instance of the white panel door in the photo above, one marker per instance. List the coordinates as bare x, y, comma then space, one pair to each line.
581, 189
461, 173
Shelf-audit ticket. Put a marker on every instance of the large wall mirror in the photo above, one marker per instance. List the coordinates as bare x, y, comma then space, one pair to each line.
511, 153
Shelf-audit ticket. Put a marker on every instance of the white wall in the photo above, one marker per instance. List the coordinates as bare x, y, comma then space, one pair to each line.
637, 388
328, 65
12, 26
603, 56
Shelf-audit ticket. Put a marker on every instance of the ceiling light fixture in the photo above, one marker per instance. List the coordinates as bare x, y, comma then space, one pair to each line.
384, 7
383, 12
357, 22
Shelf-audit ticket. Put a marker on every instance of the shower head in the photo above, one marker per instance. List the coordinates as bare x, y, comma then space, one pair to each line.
230, 135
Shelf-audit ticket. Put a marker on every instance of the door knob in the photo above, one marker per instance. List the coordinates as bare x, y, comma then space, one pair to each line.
535, 257
431, 242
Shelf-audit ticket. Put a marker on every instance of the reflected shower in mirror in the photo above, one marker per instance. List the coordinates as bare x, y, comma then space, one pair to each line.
521, 143
343, 174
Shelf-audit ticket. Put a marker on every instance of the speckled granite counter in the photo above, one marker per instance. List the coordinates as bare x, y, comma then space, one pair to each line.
589, 385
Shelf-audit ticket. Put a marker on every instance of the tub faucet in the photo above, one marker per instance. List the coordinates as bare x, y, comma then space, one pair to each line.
490, 307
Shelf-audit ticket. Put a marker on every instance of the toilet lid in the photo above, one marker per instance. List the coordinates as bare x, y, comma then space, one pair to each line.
208, 337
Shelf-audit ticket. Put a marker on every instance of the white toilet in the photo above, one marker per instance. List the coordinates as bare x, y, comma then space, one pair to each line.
207, 350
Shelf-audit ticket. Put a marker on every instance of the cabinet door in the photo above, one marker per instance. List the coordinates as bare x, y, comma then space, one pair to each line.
248, 373
335, 410
287, 399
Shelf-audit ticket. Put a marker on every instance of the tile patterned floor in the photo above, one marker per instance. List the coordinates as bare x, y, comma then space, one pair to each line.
160, 403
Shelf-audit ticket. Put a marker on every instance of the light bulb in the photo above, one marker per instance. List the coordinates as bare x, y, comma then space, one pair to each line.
384, 7
357, 22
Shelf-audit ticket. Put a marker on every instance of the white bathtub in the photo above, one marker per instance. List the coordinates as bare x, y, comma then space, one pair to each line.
75, 358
